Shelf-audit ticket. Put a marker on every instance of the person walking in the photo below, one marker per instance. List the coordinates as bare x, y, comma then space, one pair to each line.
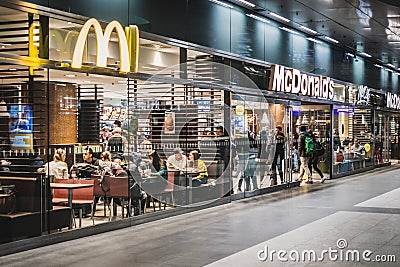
249, 172
241, 154
279, 153
314, 159
304, 143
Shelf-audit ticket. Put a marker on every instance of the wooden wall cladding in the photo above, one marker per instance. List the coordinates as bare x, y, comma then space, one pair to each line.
63, 114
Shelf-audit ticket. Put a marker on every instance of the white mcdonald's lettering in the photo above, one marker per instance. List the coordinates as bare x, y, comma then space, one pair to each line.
128, 52
392, 101
292, 81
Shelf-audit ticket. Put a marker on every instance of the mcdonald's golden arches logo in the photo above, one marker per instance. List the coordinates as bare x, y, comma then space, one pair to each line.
128, 40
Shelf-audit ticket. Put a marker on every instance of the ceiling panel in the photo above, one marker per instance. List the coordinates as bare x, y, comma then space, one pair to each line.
367, 25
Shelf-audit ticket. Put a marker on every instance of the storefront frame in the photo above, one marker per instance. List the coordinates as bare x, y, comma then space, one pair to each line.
50, 64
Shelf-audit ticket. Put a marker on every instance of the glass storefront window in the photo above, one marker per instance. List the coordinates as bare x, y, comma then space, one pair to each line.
394, 134
352, 139
382, 140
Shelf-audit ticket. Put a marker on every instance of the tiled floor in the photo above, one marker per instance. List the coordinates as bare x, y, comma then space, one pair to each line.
356, 209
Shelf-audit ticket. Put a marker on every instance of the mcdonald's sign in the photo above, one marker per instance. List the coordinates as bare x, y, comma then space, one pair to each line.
128, 40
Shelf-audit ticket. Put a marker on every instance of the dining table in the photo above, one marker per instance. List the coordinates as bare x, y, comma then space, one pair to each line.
70, 187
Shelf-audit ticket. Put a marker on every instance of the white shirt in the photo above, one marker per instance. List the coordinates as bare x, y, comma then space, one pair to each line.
57, 168
178, 164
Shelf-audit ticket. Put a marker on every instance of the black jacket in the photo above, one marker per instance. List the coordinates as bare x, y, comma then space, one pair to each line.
302, 144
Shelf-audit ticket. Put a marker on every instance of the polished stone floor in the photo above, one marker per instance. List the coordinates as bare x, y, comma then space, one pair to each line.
330, 223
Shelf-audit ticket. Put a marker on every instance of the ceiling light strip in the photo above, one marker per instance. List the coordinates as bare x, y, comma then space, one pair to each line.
331, 39
365, 54
257, 18
247, 3
308, 29
288, 30
279, 17
221, 3
314, 40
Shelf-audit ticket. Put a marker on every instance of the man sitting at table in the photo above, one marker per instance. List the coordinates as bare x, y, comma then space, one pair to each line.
177, 161
88, 157
195, 164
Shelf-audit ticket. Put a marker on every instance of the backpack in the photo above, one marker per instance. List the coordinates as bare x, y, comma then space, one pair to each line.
309, 145
319, 149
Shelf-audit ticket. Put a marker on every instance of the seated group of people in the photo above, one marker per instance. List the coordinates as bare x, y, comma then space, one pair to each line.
178, 162
107, 164
58, 168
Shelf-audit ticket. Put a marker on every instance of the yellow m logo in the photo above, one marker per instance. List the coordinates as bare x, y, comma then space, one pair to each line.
128, 45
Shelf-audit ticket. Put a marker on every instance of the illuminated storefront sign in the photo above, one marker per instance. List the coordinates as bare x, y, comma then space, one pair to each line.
392, 101
363, 95
128, 41
292, 81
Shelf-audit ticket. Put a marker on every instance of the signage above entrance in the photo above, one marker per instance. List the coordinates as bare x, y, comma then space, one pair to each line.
128, 41
293, 81
392, 101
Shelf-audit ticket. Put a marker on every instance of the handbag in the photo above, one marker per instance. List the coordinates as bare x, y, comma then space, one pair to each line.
339, 157
8, 200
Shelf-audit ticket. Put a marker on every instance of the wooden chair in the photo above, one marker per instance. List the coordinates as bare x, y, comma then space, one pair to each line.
60, 196
119, 189
82, 197
101, 189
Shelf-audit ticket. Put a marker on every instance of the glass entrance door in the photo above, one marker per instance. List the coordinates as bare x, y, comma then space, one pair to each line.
267, 123
317, 119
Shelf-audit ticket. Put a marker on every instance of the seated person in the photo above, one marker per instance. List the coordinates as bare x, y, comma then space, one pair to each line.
157, 165
357, 149
118, 170
88, 157
106, 165
346, 141
57, 168
198, 166
177, 161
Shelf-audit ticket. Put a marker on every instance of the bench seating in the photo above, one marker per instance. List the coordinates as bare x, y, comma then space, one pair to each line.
32, 208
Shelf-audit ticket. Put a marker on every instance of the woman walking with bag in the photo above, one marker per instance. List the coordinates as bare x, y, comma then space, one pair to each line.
314, 159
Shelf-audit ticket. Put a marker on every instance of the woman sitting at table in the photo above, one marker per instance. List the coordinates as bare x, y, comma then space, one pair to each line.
106, 165
57, 168
158, 164
199, 166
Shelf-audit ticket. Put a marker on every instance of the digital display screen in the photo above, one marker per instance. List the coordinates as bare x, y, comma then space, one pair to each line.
21, 127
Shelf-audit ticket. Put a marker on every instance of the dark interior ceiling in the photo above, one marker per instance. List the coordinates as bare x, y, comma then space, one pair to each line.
370, 26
